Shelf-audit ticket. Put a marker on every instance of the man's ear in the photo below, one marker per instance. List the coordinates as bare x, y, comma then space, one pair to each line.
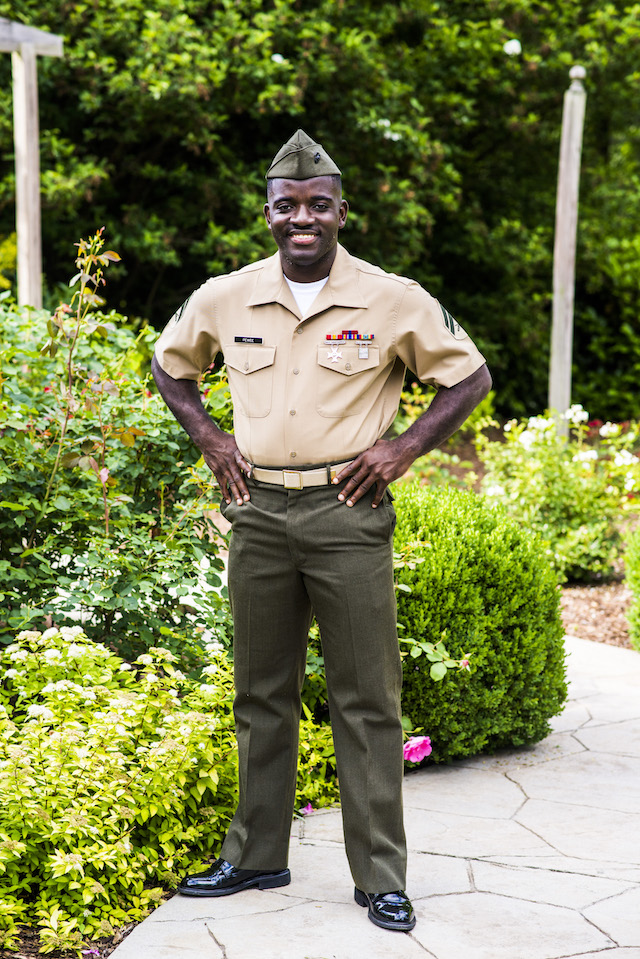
344, 210
267, 214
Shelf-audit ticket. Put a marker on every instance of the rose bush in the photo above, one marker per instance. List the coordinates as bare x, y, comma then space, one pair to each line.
575, 495
105, 514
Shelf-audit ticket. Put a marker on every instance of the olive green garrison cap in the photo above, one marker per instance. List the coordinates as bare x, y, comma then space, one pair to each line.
300, 159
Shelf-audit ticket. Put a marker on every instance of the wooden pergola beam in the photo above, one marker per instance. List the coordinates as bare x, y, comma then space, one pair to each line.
13, 35
25, 44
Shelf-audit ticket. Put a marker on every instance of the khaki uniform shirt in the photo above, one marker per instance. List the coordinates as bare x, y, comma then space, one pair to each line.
322, 388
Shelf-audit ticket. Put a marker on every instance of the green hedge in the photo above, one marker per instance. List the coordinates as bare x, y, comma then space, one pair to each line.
485, 586
632, 561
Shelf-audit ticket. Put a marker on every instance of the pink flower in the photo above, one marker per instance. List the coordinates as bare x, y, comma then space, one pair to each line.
104, 475
416, 748
306, 809
464, 664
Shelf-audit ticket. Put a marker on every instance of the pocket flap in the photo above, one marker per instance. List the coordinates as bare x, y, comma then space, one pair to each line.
348, 359
248, 358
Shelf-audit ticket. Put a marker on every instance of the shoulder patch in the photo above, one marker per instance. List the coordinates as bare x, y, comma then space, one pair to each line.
177, 316
452, 324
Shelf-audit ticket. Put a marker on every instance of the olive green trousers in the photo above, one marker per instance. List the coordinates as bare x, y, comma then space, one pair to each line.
295, 553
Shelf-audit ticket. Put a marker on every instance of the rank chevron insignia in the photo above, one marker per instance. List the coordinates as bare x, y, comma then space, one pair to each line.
178, 314
452, 325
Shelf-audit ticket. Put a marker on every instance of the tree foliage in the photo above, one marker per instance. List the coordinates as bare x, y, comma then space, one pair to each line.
161, 119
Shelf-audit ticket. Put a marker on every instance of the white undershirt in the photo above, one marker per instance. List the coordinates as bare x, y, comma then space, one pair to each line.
305, 293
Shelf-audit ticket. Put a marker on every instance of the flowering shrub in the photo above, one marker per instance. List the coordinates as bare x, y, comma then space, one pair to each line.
572, 493
633, 579
113, 779
104, 514
487, 586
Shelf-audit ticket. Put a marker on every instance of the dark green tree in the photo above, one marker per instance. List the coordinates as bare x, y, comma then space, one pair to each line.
161, 118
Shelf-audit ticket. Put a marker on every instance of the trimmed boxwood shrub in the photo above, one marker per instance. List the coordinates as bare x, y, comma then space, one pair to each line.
485, 586
632, 561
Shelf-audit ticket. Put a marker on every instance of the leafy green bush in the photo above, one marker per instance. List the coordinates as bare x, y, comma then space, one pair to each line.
633, 580
482, 586
104, 513
113, 779
574, 494
109, 775
8, 256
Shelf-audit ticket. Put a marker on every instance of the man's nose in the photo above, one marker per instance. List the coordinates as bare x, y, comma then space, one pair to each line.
303, 215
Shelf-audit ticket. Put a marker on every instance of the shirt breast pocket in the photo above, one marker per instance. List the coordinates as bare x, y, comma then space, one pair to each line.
250, 372
345, 375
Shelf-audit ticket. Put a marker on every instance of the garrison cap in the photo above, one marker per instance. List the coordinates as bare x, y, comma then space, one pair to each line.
301, 158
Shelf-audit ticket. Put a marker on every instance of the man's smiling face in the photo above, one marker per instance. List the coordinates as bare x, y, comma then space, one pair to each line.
305, 217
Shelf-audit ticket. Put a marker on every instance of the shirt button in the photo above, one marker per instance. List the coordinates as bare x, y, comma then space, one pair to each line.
292, 455
246, 366
347, 366
292, 412
295, 372
299, 330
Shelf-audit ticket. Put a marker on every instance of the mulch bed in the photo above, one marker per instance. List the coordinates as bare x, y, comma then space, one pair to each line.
100, 949
597, 613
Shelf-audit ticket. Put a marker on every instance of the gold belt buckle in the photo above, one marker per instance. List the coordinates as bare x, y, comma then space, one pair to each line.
292, 479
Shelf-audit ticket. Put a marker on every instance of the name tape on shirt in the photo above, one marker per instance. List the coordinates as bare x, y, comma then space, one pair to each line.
247, 339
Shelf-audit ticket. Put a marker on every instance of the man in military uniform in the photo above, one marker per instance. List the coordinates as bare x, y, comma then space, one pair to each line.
316, 343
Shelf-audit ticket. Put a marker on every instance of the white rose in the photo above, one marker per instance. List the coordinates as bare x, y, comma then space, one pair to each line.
610, 429
576, 414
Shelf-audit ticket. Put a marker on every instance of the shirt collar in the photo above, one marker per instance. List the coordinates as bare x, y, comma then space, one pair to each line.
341, 290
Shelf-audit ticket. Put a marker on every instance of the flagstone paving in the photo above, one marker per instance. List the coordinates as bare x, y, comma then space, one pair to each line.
528, 854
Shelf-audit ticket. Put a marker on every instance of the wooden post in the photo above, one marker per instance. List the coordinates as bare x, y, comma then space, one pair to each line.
26, 136
25, 44
564, 251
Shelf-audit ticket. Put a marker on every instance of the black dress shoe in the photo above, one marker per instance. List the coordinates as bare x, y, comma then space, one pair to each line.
223, 879
391, 910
